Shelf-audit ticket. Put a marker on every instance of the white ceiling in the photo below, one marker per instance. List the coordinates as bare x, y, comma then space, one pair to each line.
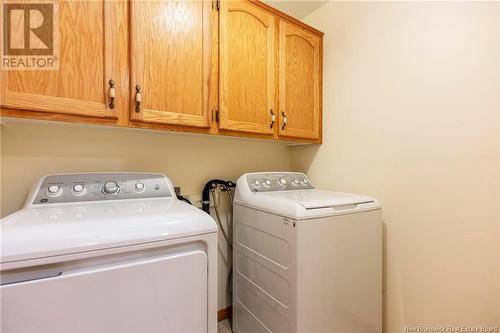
296, 8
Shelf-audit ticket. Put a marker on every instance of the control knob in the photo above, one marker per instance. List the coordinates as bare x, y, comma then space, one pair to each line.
54, 190
255, 184
110, 188
78, 189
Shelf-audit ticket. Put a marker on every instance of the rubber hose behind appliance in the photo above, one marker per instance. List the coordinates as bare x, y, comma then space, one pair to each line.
212, 184
226, 186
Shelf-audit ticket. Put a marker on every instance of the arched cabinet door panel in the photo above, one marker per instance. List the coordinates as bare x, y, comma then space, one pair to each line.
247, 55
171, 45
299, 83
86, 46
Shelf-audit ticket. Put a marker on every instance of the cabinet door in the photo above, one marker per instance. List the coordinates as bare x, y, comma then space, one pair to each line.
247, 55
87, 40
299, 83
171, 61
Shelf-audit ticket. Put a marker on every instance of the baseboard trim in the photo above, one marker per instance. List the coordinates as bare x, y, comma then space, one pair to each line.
224, 314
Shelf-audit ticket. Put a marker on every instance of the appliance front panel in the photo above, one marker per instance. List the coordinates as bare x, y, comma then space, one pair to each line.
339, 280
166, 293
264, 269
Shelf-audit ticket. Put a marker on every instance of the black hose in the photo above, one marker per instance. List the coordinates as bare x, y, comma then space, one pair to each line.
205, 194
180, 197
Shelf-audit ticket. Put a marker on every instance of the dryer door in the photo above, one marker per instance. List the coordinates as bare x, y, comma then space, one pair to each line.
164, 293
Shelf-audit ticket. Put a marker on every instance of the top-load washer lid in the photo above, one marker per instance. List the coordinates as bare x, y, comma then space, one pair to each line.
292, 195
316, 199
48, 231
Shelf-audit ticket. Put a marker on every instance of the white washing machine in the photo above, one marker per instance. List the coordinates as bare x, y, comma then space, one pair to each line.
108, 252
305, 260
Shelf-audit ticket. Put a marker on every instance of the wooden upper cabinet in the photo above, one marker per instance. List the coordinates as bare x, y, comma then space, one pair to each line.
173, 63
88, 58
246, 73
299, 82
171, 44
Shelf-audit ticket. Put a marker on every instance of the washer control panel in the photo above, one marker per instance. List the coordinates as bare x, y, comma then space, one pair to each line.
277, 181
101, 186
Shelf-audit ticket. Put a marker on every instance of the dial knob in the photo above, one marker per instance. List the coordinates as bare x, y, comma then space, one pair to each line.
255, 184
54, 190
110, 188
267, 183
282, 181
78, 189
304, 182
296, 182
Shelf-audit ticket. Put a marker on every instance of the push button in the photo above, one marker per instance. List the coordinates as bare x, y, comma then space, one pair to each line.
139, 187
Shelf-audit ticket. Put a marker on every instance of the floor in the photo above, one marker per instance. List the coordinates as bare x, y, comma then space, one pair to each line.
225, 326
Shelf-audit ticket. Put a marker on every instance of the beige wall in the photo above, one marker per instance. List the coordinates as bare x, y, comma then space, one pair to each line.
411, 117
30, 151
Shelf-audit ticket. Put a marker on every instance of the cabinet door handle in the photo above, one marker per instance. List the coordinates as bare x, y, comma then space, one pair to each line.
138, 98
284, 120
273, 118
112, 94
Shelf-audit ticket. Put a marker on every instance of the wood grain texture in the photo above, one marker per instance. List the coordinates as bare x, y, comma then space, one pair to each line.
247, 56
85, 120
120, 67
171, 61
214, 75
299, 78
86, 35
285, 17
121, 59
